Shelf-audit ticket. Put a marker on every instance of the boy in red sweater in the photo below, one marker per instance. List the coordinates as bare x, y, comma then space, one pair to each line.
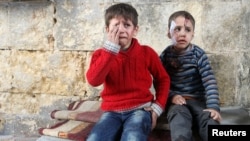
127, 71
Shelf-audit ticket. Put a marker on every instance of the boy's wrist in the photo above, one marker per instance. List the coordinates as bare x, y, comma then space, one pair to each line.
157, 109
111, 47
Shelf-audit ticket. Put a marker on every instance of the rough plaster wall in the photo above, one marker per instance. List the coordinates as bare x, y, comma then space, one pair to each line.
45, 50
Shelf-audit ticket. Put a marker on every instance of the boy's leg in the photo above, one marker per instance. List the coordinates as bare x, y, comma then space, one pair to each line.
137, 125
201, 118
180, 123
203, 121
107, 128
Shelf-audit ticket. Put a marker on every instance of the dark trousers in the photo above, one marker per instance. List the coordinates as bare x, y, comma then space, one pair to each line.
184, 119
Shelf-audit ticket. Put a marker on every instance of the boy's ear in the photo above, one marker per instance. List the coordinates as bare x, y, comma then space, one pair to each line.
136, 30
107, 29
169, 36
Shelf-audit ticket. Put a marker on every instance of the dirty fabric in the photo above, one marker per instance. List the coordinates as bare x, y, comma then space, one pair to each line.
76, 122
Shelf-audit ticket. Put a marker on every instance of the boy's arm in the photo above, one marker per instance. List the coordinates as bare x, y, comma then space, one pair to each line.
161, 82
100, 63
209, 83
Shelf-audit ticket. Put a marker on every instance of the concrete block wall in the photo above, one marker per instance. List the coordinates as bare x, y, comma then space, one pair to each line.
46, 45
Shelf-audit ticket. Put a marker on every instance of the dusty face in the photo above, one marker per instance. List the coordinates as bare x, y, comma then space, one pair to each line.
181, 32
125, 30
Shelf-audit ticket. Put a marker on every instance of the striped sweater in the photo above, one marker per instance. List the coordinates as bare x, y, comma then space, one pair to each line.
191, 75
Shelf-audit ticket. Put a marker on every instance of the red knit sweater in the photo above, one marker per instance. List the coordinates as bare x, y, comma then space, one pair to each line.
127, 77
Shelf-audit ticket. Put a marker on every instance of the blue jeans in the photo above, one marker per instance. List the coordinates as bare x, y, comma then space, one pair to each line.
125, 126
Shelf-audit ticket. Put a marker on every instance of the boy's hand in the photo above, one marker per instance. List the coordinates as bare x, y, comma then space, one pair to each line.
153, 116
113, 34
154, 119
214, 114
178, 100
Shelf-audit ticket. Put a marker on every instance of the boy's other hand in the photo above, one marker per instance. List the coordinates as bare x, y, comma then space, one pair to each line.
153, 116
214, 114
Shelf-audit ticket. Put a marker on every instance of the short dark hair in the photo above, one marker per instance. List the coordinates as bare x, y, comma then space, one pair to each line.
127, 11
184, 14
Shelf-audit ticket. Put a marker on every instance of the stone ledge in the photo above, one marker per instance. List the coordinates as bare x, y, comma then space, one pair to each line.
12, 138
231, 115
235, 115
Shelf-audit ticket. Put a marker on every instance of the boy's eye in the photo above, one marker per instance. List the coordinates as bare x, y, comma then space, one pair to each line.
188, 29
126, 25
177, 29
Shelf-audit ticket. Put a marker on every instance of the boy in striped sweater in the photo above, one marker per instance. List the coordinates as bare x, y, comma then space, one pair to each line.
193, 98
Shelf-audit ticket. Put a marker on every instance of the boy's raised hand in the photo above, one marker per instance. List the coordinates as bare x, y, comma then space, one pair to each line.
113, 34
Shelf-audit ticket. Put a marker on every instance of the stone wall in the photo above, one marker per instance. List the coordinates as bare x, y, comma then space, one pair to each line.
46, 45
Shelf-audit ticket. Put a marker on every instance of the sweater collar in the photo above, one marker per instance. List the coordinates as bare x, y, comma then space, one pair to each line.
134, 44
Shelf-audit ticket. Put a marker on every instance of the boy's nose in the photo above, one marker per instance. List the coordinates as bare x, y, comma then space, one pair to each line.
121, 27
182, 32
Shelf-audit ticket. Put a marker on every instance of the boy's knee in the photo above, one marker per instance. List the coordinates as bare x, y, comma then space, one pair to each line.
179, 110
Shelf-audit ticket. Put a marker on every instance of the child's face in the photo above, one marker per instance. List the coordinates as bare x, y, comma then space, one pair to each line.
181, 32
125, 30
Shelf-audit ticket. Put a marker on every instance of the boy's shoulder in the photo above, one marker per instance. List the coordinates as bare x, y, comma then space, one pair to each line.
147, 48
195, 49
137, 44
198, 48
168, 47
